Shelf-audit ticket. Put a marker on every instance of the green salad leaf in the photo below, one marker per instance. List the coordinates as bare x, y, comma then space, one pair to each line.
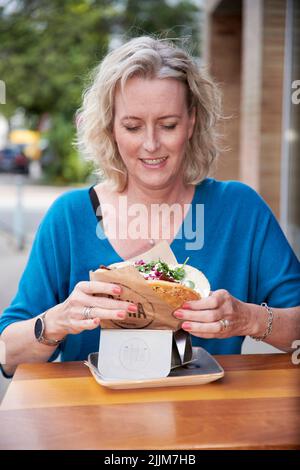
161, 268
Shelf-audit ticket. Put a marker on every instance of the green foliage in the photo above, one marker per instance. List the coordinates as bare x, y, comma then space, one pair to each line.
47, 48
176, 20
65, 163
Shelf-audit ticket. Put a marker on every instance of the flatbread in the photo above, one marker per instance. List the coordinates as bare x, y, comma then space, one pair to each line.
173, 293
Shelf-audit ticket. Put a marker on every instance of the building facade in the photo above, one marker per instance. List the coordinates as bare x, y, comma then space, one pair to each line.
252, 51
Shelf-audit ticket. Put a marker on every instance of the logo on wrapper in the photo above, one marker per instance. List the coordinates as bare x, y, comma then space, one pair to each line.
134, 354
2, 352
144, 315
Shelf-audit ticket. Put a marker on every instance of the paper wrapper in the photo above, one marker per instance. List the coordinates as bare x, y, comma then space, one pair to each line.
153, 313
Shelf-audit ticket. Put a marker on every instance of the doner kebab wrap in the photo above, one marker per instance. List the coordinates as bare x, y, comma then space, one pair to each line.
173, 283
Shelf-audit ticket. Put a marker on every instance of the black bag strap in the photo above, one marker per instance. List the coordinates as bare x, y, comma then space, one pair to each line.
96, 204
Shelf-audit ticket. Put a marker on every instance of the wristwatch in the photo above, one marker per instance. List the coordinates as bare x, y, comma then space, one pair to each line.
39, 331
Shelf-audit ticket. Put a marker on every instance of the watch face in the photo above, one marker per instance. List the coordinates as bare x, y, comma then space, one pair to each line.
38, 328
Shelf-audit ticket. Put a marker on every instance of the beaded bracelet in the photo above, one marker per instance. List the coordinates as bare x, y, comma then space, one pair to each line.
269, 325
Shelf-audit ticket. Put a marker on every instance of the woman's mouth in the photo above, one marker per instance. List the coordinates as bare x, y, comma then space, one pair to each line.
154, 162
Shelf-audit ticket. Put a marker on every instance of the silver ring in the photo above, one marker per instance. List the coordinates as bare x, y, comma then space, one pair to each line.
87, 312
224, 324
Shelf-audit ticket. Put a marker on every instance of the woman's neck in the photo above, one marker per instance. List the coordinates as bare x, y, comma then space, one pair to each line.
179, 193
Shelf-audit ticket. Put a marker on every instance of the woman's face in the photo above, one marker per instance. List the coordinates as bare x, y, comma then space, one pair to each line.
151, 128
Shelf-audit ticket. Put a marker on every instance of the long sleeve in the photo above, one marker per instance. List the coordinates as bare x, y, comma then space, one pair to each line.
278, 269
43, 283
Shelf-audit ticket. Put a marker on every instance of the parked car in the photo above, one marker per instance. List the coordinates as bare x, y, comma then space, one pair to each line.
13, 160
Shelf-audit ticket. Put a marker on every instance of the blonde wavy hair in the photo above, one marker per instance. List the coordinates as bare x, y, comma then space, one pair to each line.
149, 58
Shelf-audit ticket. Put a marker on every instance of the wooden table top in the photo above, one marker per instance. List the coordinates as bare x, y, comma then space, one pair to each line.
256, 405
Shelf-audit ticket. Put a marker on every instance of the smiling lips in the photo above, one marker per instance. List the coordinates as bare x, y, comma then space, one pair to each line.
153, 161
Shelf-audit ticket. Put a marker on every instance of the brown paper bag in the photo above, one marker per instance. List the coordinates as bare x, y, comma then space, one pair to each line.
153, 313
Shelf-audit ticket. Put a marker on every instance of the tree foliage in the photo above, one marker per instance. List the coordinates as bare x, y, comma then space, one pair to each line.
47, 48
176, 20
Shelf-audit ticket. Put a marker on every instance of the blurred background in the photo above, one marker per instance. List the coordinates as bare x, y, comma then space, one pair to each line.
48, 48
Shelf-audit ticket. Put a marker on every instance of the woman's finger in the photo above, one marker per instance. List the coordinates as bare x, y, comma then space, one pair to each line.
103, 302
79, 325
101, 313
206, 316
207, 303
98, 287
205, 328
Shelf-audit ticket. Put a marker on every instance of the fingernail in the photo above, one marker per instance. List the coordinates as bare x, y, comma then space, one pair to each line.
186, 326
178, 314
132, 308
186, 305
121, 314
117, 290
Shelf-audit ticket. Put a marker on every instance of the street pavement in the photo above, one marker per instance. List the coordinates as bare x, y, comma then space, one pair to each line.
23, 204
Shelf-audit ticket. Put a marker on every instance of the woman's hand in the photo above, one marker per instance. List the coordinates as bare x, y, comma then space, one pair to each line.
218, 316
69, 317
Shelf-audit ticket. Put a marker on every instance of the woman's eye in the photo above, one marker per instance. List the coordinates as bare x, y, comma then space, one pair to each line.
167, 127
132, 129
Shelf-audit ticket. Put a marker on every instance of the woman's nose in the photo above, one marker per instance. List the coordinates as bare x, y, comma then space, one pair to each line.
151, 141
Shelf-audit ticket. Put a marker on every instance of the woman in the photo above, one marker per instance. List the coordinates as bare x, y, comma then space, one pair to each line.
148, 119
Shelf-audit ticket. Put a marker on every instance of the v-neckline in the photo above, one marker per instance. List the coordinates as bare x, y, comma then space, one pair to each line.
93, 197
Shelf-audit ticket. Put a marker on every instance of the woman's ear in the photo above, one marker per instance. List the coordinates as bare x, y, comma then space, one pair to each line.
192, 121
